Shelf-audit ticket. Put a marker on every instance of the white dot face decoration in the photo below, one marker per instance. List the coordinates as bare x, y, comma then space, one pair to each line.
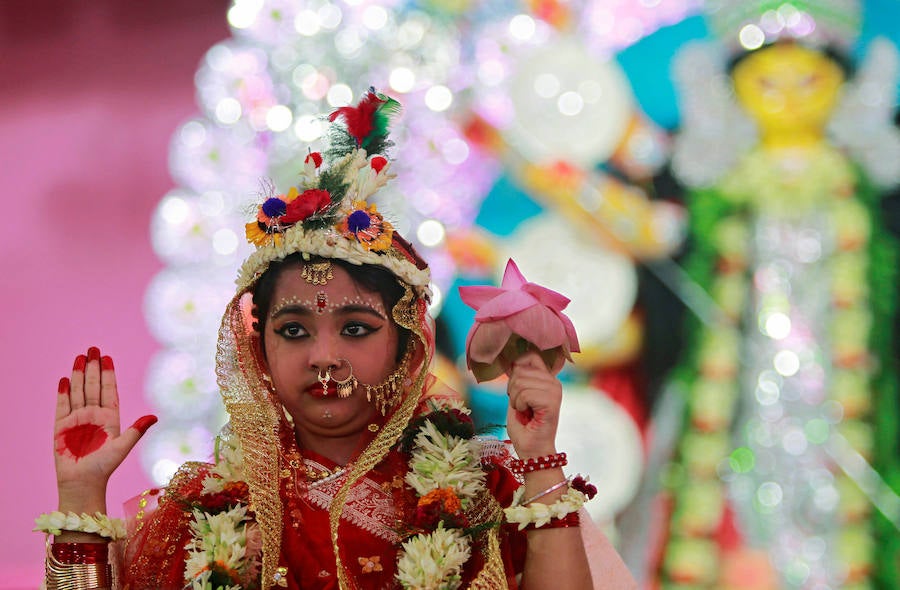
568, 104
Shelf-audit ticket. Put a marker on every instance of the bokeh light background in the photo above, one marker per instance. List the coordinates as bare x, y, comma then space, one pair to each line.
133, 136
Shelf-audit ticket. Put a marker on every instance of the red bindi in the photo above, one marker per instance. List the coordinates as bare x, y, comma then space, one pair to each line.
81, 440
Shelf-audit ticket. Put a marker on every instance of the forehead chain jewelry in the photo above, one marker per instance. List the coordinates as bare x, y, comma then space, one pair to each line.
317, 273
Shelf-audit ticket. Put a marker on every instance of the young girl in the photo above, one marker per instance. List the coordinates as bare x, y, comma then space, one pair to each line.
345, 464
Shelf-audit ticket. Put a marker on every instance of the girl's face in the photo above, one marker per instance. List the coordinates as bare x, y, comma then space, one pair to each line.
313, 327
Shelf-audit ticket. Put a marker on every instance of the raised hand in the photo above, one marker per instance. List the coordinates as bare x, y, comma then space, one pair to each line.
88, 443
535, 395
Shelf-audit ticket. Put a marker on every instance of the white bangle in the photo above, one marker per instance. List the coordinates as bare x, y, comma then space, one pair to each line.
55, 523
541, 514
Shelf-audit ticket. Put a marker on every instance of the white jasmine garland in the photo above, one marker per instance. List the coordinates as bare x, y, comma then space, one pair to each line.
445, 461
540, 514
219, 540
442, 404
433, 561
427, 561
56, 522
229, 466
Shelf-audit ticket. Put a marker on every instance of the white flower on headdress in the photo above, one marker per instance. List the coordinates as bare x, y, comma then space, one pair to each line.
373, 176
311, 165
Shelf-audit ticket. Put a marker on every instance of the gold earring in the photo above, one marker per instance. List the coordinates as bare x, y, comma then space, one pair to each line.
388, 393
345, 386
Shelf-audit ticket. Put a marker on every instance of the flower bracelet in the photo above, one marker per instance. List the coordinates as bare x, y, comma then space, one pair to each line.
55, 523
529, 515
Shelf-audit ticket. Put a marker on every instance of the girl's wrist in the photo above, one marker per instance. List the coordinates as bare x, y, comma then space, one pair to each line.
535, 452
82, 500
537, 481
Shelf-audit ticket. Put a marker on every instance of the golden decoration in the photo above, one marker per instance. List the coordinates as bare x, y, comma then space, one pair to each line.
317, 273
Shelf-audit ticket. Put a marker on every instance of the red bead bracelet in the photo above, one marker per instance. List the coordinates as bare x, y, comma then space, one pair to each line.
521, 466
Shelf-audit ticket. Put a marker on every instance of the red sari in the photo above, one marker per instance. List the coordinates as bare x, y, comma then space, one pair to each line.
370, 532
371, 525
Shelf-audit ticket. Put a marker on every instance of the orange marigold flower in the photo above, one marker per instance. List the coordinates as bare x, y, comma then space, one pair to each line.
274, 208
256, 235
366, 225
259, 237
445, 497
291, 195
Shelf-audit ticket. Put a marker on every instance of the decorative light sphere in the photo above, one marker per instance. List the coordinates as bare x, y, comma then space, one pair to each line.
601, 440
559, 90
182, 383
166, 448
431, 232
751, 37
594, 270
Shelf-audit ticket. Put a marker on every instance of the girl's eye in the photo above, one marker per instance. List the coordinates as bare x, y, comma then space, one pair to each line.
357, 329
291, 330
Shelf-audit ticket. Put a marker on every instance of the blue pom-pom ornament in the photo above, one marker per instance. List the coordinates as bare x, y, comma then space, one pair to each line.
358, 221
274, 207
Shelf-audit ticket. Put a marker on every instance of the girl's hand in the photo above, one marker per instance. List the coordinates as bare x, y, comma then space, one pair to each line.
88, 444
535, 395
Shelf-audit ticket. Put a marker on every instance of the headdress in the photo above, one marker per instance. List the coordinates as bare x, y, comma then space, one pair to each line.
750, 24
326, 215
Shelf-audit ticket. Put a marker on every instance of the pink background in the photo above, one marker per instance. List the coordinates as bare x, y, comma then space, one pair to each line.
91, 93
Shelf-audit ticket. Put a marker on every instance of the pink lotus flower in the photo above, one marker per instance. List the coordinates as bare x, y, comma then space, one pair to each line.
512, 318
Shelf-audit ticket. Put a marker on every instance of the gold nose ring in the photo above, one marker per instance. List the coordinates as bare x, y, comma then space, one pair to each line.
323, 379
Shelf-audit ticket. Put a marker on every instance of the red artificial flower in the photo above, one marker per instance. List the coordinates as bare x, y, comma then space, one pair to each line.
582, 485
307, 203
316, 158
426, 516
378, 163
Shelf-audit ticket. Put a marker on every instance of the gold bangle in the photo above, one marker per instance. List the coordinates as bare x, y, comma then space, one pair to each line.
76, 576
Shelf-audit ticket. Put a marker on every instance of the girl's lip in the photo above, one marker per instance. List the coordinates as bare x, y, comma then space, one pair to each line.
316, 390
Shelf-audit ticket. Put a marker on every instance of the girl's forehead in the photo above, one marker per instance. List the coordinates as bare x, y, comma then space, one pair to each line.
339, 282
295, 289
